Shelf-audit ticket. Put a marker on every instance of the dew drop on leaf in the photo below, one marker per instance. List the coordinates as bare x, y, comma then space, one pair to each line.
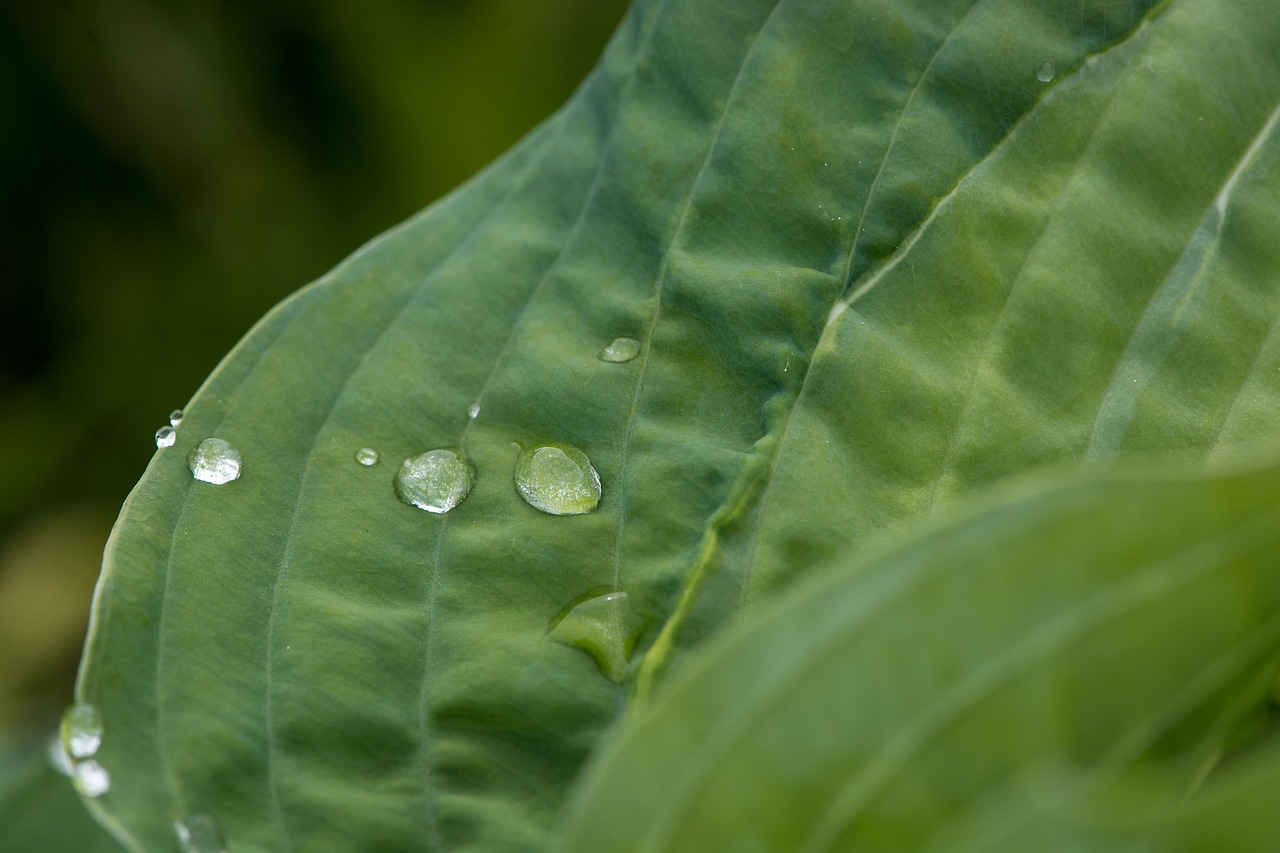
621, 350
473, 411
436, 481
200, 833
603, 626
58, 758
214, 461
91, 778
175, 417
166, 436
1045, 72
81, 730
557, 479
367, 456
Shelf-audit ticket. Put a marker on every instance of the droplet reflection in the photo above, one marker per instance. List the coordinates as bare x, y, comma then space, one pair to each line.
436, 481
214, 461
557, 479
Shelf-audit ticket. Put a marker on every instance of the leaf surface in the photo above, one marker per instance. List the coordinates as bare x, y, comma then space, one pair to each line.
1092, 625
872, 261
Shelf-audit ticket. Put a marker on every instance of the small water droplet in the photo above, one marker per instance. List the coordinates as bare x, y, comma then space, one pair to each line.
603, 626
473, 411
1045, 72
367, 456
620, 351
214, 461
91, 778
56, 753
436, 481
200, 833
81, 730
557, 479
166, 436
175, 417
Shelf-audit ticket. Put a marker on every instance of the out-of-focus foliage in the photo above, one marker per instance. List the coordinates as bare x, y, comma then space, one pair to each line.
168, 171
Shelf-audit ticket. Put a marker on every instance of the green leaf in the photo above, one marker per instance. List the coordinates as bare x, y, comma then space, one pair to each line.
1096, 625
872, 260
1142, 810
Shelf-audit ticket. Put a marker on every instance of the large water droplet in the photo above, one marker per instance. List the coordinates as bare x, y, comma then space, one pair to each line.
200, 833
605, 627
367, 456
621, 350
81, 730
473, 411
214, 461
436, 481
91, 778
175, 417
1045, 72
166, 436
557, 479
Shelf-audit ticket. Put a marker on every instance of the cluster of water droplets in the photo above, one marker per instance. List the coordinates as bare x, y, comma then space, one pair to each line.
212, 461
73, 754
80, 738
168, 434
554, 478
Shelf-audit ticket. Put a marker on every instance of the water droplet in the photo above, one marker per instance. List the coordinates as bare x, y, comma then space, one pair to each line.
367, 456
91, 778
473, 411
1045, 72
214, 461
175, 417
200, 833
56, 753
621, 350
557, 479
81, 730
436, 481
603, 626
166, 436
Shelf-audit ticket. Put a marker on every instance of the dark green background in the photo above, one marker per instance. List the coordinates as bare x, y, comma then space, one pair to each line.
168, 172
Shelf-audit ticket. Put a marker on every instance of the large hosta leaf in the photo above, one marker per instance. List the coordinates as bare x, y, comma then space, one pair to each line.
874, 254
894, 702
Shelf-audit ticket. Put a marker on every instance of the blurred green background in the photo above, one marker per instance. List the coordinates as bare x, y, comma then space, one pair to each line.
168, 172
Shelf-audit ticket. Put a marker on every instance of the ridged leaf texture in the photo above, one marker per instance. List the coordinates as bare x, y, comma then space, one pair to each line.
876, 255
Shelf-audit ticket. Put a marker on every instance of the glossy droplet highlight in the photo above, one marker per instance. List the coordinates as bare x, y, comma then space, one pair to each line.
214, 461
436, 481
91, 778
166, 436
621, 350
1045, 72
175, 417
56, 753
557, 479
603, 626
200, 833
81, 730
473, 411
367, 456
